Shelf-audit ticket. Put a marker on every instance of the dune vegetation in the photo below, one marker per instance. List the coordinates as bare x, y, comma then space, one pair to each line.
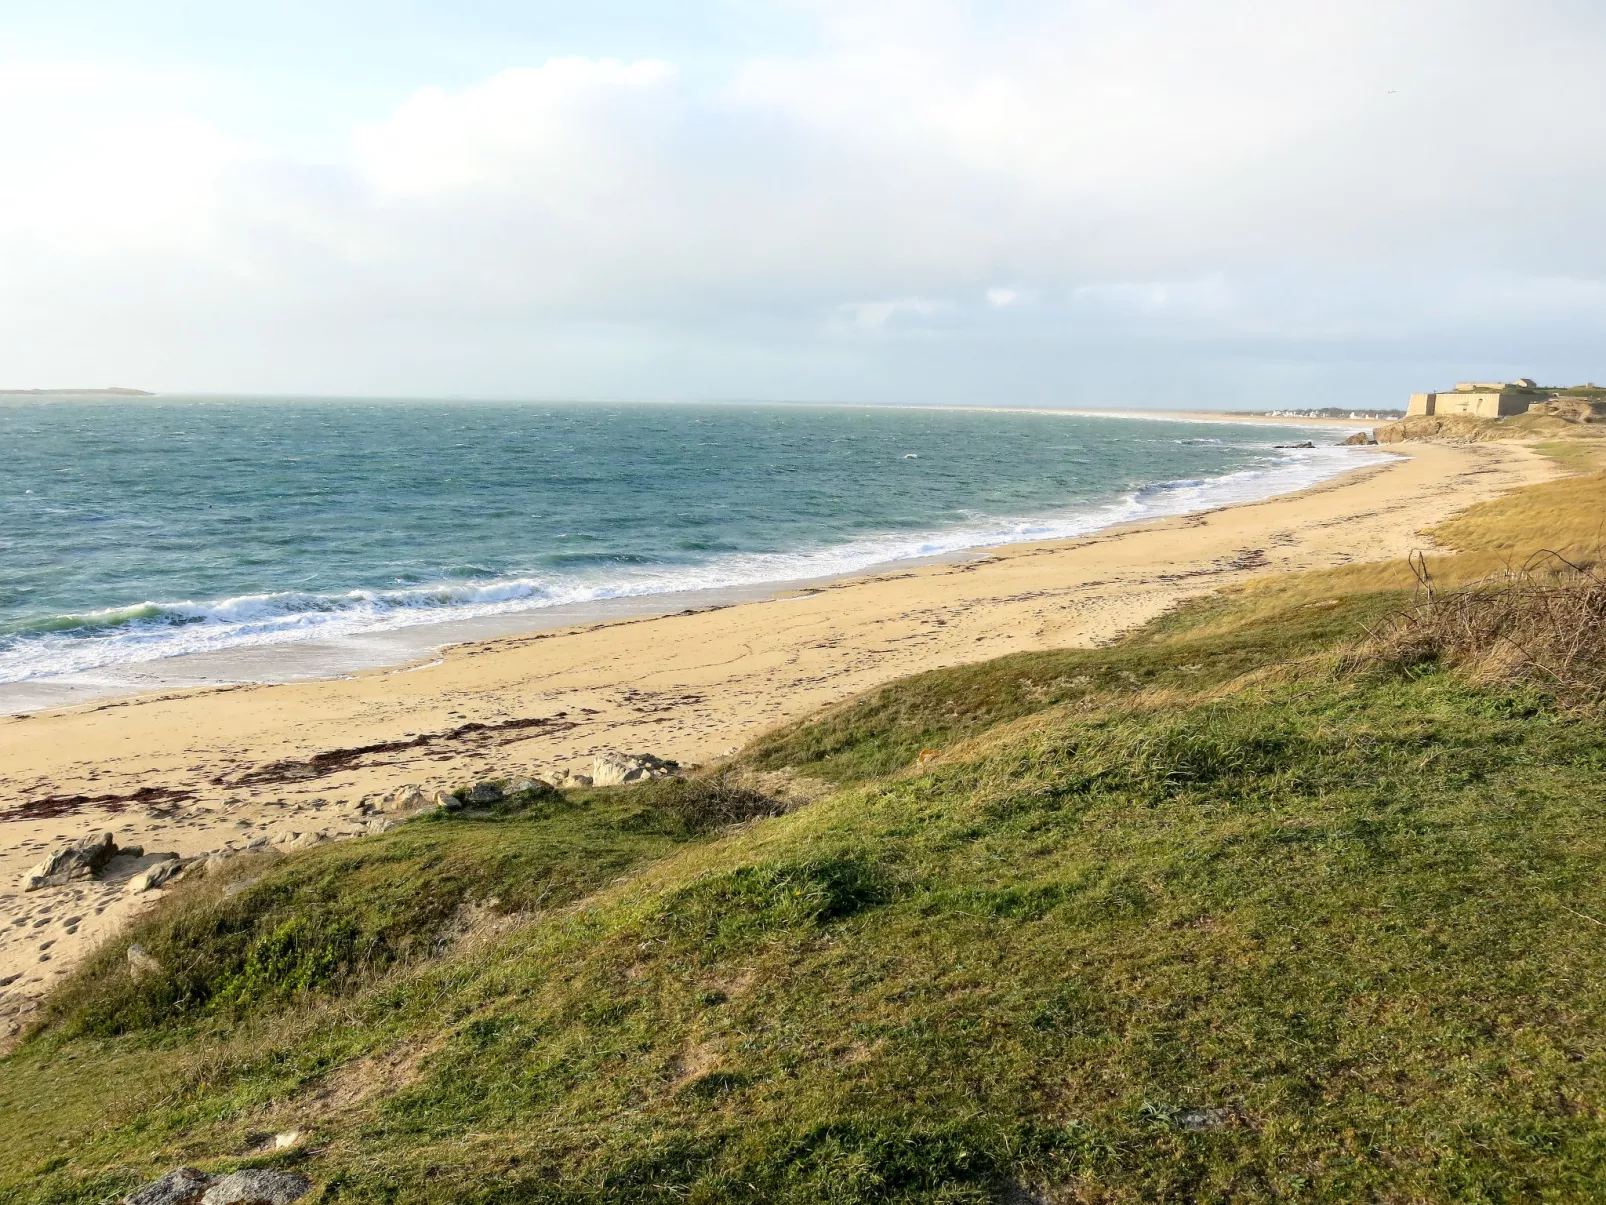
1294, 894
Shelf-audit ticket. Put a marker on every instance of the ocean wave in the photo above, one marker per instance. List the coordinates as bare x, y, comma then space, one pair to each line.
151, 631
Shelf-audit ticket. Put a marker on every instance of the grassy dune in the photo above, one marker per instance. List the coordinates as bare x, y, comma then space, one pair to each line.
1252, 905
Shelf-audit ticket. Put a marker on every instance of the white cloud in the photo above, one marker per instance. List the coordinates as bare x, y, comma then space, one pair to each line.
1162, 170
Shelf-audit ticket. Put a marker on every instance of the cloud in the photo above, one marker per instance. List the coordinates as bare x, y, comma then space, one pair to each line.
1304, 182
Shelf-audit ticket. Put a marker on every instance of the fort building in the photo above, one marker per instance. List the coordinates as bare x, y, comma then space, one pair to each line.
1483, 399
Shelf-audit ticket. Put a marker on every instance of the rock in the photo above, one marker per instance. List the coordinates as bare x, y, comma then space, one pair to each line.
617, 769
448, 802
182, 1186
76, 862
164, 871
519, 786
1360, 438
140, 963
258, 1186
405, 799
1306, 444
382, 824
287, 1139
1196, 1121
484, 792
571, 780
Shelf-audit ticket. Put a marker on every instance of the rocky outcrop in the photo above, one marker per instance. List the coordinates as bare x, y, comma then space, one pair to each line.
182, 1186
255, 1186
617, 769
482, 793
1571, 409
1360, 439
82, 860
164, 872
1447, 428
258, 1186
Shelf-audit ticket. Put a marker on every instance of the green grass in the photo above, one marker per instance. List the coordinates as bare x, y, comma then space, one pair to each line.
1211, 914
888, 729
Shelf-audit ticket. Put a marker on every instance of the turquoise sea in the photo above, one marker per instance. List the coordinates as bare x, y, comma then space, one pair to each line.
137, 530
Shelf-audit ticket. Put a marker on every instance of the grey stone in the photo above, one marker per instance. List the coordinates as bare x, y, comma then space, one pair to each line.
74, 863
617, 769
182, 1186
484, 792
163, 872
1198, 1120
405, 799
448, 802
258, 1186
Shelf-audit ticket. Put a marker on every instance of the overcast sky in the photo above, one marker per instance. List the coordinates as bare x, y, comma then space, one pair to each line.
1154, 202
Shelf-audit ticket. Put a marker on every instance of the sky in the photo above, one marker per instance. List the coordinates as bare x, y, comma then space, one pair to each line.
1246, 203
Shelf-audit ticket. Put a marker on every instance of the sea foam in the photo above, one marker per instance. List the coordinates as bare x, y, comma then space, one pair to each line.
153, 630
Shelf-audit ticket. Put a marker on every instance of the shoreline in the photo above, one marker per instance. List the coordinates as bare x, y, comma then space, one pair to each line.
194, 771
406, 638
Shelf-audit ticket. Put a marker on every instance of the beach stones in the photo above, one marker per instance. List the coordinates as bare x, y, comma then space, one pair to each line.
483, 793
447, 802
74, 863
258, 1186
182, 1186
617, 769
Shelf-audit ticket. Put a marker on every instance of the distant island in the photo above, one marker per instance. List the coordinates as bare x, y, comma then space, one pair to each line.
112, 391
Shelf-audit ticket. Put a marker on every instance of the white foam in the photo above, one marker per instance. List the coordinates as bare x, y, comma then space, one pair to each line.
153, 631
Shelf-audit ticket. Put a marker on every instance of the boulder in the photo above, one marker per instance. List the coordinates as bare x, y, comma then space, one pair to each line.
520, 785
483, 793
156, 876
74, 863
569, 780
617, 769
448, 802
181, 1186
1306, 444
258, 1186
405, 799
1360, 438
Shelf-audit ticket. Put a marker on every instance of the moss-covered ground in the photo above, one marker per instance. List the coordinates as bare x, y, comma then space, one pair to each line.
1212, 914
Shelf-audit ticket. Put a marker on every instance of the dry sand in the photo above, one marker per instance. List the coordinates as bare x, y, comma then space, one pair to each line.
195, 771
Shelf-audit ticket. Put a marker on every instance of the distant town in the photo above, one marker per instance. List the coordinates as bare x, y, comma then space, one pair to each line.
1324, 412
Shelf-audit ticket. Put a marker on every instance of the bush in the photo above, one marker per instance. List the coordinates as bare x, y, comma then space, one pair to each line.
699, 805
1544, 626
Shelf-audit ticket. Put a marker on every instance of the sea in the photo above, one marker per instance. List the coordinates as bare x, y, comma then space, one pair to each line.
138, 534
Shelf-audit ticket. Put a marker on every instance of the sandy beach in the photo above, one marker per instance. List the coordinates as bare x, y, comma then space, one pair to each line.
203, 770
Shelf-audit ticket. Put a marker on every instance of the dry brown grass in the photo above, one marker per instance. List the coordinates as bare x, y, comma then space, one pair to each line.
1544, 626
1567, 515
